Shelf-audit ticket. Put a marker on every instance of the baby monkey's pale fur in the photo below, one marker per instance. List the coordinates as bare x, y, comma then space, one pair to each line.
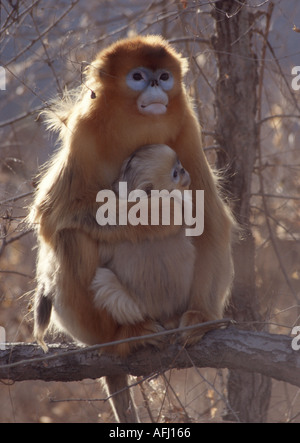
133, 283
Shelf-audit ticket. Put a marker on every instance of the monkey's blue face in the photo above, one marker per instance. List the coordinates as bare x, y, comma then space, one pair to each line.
153, 86
140, 78
180, 175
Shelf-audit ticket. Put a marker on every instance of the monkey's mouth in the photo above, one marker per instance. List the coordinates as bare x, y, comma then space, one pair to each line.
153, 108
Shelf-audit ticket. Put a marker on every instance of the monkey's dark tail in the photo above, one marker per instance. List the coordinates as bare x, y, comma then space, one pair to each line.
42, 314
121, 399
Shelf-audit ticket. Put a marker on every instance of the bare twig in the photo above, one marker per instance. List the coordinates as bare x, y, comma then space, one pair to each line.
7, 25
189, 39
20, 117
6, 271
285, 197
42, 34
17, 197
271, 117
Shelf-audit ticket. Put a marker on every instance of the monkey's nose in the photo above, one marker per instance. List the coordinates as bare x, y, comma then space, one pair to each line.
154, 83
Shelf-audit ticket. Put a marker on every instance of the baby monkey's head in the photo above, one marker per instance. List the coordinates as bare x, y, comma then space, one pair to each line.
154, 167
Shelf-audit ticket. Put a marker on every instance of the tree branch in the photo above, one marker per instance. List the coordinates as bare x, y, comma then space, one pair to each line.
261, 352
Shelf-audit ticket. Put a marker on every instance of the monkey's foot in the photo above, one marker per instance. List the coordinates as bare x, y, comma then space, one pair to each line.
195, 318
140, 334
43, 345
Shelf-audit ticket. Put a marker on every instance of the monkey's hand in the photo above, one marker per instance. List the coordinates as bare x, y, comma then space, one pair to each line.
202, 326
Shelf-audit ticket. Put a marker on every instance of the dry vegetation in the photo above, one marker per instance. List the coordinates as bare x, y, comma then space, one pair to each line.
44, 45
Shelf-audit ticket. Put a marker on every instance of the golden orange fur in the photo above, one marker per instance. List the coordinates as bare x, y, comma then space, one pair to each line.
96, 136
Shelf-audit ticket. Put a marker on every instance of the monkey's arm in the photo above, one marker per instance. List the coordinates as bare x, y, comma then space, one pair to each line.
83, 218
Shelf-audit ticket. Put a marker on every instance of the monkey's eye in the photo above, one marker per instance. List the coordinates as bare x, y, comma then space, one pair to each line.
137, 76
137, 79
165, 76
175, 175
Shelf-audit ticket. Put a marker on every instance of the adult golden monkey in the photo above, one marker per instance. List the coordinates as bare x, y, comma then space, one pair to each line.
138, 98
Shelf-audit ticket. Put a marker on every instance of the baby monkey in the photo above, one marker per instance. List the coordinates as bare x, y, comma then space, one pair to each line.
150, 279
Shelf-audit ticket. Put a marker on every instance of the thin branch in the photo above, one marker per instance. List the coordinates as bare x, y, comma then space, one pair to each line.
48, 59
189, 39
18, 197
20, 15
285, 197
17, 237
6, 271
42, 34
220, 395
252, 6
20, 117
277, 222
270, 117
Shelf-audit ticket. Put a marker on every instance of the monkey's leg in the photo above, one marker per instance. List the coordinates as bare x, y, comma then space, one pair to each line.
42, 314
121, 399
110, 295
